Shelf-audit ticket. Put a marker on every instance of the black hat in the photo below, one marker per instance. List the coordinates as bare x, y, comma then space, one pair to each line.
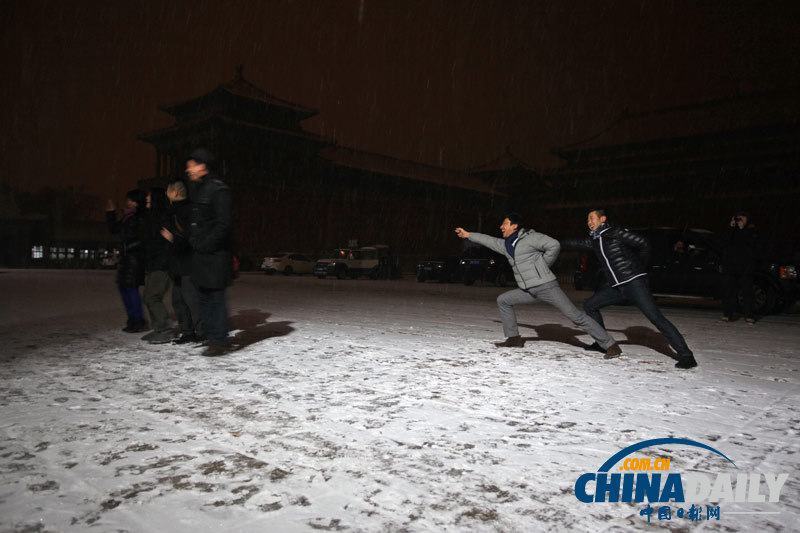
204, 157
136, 196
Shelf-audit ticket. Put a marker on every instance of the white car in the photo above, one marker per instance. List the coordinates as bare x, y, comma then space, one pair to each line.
288, 263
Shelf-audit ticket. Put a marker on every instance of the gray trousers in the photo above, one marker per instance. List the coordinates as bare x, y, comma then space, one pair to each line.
551, 293
155, 288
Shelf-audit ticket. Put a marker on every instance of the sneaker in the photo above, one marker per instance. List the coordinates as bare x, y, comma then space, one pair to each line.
512, 342
687, 361
148, 336
613, 351
725, 319
161, 337
750, 320
186, 338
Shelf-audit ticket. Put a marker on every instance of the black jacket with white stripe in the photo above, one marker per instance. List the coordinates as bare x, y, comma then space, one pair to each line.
623, 254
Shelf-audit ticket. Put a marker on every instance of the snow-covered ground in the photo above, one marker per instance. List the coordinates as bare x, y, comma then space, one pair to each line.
371, 406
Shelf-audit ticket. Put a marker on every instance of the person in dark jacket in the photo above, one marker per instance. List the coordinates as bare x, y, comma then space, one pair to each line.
130, 270
184, 294
157, 280
210, 237
623, 256
530, 254
738, 265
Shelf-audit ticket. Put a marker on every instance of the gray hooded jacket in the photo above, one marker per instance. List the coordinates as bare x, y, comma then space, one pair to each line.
533, 255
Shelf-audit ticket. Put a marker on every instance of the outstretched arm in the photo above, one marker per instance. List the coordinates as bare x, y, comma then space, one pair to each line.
583, 243
461, 232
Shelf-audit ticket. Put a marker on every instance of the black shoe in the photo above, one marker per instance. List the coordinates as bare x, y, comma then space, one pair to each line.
512, 342
594, 347
613, 351
687, 361
186, 338
136, 326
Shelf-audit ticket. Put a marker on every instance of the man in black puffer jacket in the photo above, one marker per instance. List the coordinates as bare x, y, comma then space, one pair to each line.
623, 256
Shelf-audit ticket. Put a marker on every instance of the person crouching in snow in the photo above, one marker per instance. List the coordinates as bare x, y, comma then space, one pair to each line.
530, 255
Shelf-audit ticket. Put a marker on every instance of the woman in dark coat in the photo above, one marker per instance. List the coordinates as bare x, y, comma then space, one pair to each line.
130, 271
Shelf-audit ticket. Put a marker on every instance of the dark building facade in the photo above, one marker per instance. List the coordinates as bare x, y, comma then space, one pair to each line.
294, 190
690, 166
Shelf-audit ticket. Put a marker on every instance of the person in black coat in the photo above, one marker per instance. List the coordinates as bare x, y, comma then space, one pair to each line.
739, 260
157, 264
212, 253
184, 294
623, 256
130, 270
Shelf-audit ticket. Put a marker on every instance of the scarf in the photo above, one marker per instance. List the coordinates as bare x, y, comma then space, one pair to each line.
511, 243
595, 233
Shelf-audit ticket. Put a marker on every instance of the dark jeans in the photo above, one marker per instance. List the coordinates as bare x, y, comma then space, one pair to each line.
132, 302
731, 284
186, 303
638, 293
214, 314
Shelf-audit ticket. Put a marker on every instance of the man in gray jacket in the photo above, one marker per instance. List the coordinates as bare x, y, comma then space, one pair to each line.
530, 255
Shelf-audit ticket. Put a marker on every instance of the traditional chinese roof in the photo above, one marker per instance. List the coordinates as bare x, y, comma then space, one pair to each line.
349, 157
239, 88
179, 130
506, 161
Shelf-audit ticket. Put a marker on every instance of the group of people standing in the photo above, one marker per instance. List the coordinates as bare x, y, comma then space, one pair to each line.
179, 237
623, 256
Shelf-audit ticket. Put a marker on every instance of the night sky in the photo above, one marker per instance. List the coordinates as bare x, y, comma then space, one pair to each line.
444, 83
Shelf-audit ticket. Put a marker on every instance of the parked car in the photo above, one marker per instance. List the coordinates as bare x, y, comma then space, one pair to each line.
110, 259
686, 263
441, 269
288, 263
478, 263
374, 261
